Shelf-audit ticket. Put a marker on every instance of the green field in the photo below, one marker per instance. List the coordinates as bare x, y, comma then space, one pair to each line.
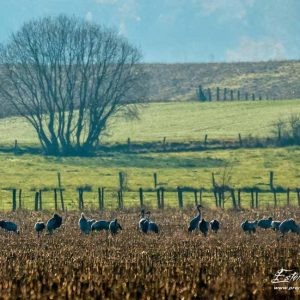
180, 121
188, 121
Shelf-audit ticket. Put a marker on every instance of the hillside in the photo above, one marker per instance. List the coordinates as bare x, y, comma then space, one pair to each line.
179, 82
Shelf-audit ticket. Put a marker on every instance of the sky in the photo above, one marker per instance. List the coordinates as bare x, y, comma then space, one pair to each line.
180, 31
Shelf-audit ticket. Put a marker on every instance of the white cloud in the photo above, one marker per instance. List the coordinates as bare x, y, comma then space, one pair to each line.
257, 50
89, 16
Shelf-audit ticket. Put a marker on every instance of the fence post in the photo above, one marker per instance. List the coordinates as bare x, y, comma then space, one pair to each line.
220, 197
298, 196
256, 199
80, 199
209, 94
158, 198
36, 201
55, 199
275, 198
40, 200
288, 197
14, 199
141, 193
238, 95
100, 197
240, 140
205, 140
59, 179
231, 95
155, 179
62, 199
225, 94
271, 183
162, 204
218, 94
233, 199
200, 196
252, 199
195, 197
20, 198
216, 196
180, 197
239, 198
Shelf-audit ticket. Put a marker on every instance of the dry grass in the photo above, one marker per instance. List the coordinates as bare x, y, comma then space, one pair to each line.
172, 265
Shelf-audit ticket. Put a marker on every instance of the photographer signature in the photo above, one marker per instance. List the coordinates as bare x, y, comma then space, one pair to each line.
285, 276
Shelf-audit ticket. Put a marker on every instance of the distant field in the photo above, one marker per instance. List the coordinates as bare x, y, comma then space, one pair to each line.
179, 121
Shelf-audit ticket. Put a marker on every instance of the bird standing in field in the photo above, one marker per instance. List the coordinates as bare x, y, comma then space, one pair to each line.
275, 225
84, 224
144, 222
54, 223
215, 225
249, 226
9, 226
114, 227
203, 227
152, 227
194, 223
100, 225
39, 227
265, 223
289, 225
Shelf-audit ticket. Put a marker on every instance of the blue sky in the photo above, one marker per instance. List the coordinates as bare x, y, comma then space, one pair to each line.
181, 30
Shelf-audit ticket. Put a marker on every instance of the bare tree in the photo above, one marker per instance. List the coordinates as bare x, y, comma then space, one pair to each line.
68, 77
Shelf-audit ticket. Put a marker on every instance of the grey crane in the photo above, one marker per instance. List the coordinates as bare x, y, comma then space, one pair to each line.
114, 227
39, 227
152, 226
249, 226
204, 226
9, 226
54, 223
144, 222
289, 225
100, 225
194, 223
215, 225
265, 223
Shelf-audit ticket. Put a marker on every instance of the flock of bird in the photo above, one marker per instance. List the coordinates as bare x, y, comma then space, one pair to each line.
146, 225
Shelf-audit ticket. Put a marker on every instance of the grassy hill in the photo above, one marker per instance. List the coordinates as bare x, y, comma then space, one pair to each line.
179, 121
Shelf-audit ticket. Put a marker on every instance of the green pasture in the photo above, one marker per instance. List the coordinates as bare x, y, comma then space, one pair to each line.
179, 121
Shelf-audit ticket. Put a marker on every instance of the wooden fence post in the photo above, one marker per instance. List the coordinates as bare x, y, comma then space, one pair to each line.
14, 199
288, 197
80, 199
59, 179
218, 94
155, 179
20, 198
225, 94
195, 197
180, 197
271, 182
36, 201
100, 198
239, 198
216, 196
238, 95
62, 199
240, 140
252, 199
40, 200
209, 94
121, 180
55, 199
233, 199
275, 198
231, 95
162, 204
141, 197
256, 199
158, 198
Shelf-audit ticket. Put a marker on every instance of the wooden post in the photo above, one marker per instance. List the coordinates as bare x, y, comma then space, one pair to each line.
20, 198
36, 201
240, 140
220, 198
158, 198
256, 199
298, 196
252, 199
238, 95
225, 94
155, 180
213, 179
195, 197
102, 198
59, 179
205, 140
141, 197
233, 199
231, 95
180, 197
62, 199
209, 94
288, 197
271, 183
80, 199
200, 196
218, 94
275, 198
121, 180
239, 198
14, 199
55, 199
216, 197
162, 204
40, 200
